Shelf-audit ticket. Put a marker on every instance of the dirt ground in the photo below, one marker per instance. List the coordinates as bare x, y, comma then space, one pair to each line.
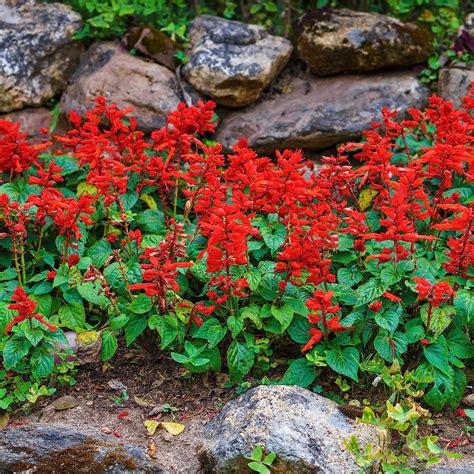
117, 397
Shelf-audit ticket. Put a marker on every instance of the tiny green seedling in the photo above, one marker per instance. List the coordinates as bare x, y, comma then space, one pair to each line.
259, 462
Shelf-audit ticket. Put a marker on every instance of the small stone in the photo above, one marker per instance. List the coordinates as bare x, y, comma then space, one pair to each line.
37, 52
65, 403
108, 70
106, 430
166, 436
341, 40
468, 401
233, 62
90, 403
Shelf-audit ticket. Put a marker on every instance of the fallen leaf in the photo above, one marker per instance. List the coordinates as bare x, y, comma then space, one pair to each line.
117, 434
141, 402
172, 428
151, 426
151, 449
65, 403
4, 419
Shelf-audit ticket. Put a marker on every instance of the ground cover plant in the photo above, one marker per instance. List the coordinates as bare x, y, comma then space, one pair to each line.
228, 260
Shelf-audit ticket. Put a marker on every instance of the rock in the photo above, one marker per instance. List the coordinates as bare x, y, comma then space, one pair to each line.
107, 69
454, 82
468, 400
31, 120
334, 41
58, 448
319, 113
153, 44
37, 53
304, 429
65, 403
233, 62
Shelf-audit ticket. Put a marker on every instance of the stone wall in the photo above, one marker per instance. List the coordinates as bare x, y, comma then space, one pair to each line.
325, 86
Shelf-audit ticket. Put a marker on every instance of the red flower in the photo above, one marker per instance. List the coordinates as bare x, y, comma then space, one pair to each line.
425, 342
73, 259
316, 336
51, 275
26, 308
376, 306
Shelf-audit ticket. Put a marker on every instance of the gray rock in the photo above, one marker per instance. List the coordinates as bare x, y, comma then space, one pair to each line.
57, 448
454, 82
333, 41
305, 430
37, 53
318, 113
233, 62
108, 70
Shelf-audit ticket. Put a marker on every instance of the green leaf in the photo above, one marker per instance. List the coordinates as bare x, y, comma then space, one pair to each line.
299, 330
437, 355
273, 235
344, 361
167, 327
369, 292
235, 325
109, 345
459, 344
258, 467
384, 347
72, 315
90, 292
435, 398
253, 279
33, 335
240, 360
211, 330
464, 304
99, 252
141, 304
284, 315
134, 328
440, 319
300, 372
349, 276
42, 364
14, 351
118, 322
389, 319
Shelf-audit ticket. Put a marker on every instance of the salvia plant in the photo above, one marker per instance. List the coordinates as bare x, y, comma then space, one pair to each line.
227, 259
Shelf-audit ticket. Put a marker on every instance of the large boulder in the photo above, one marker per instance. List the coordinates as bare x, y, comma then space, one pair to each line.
318, 113
305, 430
454, 83
108, 70
57, 448
334, 41
233, 62
37, 52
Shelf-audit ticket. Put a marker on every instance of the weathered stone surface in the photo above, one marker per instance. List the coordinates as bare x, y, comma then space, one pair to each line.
108, 70
305, 430
154, 44
454, 82
31, 120
56, 448
37, 53
334, 41
318, 113
233, 62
